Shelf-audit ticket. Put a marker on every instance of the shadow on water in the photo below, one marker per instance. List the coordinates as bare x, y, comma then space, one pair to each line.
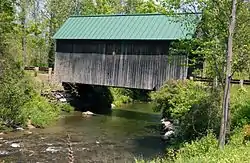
86, 97
134, 115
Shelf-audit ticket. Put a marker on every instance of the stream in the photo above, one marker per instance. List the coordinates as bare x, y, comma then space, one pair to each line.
129, 132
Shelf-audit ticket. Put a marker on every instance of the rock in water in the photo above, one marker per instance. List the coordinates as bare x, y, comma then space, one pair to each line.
4, 152
113, 106
87, 113
53, 149
167, 135
15, 145
19, 128
63, 99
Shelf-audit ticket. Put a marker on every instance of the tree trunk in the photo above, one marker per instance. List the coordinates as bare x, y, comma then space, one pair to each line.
226, 98
23, 23
51, 52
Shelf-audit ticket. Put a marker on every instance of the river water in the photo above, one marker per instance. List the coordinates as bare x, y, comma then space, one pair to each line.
128, 133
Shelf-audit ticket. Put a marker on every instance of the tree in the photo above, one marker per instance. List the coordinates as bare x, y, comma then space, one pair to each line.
55, 14
6, 19
215, 40
226, 98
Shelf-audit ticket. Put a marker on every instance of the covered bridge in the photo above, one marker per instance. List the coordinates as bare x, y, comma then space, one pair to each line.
120, 50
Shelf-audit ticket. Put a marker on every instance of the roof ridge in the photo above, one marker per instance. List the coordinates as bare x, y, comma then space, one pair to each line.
138, 14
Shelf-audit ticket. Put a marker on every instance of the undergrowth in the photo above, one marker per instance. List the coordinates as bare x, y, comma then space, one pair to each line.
180, 100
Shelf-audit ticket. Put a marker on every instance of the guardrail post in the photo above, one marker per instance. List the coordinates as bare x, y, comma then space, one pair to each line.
241, 83
36, 69
50, 74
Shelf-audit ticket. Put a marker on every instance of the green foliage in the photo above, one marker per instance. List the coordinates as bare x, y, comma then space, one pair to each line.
15, 91
240, 106
19, 99
121, 96
192, 106
66, 107
124, 95
205, 150
40, 111
198, 147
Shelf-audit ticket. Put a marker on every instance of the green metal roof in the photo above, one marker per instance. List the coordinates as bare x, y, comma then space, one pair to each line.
126, 27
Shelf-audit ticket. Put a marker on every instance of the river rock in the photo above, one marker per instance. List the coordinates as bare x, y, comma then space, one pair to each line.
28, 132
113, 106
4, 153
53, 149
87, 113
168, 129
15, 145
168, 135
19, 129
63, 100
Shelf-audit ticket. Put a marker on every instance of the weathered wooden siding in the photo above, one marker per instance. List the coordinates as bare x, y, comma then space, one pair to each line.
131, 71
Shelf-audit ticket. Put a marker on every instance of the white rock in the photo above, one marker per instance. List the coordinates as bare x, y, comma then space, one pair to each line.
63, 99
15, 145
19, 128
58, 96
4, 152
53, 149
167, 135
113, 106
97, 142
87, 113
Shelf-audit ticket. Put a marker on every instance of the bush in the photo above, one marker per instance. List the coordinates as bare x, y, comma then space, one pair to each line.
240, 107
15, 91
19, 99
124, 95
193, 107
40, 111
121, 96
66, 107
206, 150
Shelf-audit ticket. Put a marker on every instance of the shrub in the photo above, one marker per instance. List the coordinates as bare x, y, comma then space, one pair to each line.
124, 95
40, 111
20, 100
15, 91
121, 96
192, 106
240, 107
66, 107
206, 150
